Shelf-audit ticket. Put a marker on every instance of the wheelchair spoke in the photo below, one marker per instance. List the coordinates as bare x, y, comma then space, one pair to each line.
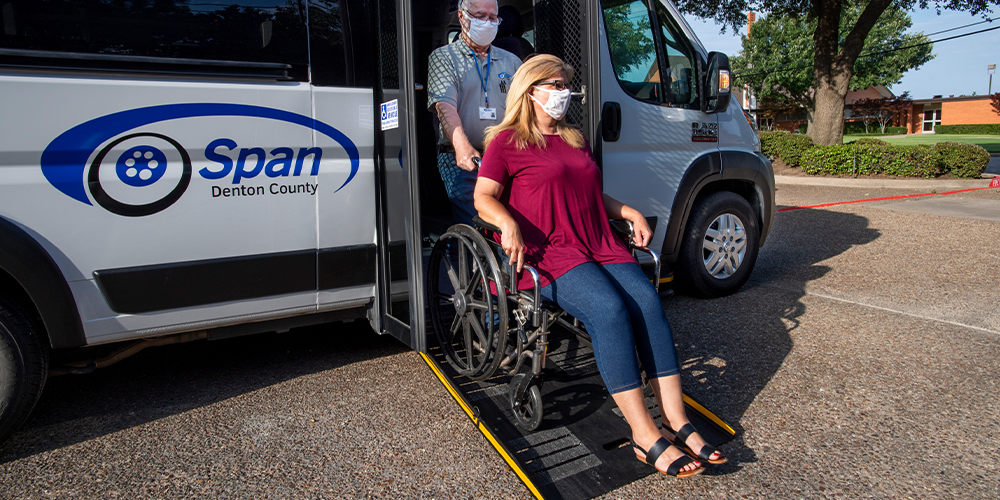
455, 324
482, 306
452, 275
474, 282
469, 354
483, 341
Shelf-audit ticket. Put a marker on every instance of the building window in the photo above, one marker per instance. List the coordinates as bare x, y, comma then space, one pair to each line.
932, 118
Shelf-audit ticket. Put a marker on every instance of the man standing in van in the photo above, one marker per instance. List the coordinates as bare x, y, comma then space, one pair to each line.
468, 82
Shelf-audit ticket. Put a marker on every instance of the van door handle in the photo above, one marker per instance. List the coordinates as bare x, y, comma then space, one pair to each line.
582, 93
611, 121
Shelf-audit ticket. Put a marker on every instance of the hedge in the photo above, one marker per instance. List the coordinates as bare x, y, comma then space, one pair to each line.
962, 160
787, 146
904, 161
984, 129
858, 128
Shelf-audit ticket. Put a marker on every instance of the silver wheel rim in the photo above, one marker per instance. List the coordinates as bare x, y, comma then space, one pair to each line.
724, 246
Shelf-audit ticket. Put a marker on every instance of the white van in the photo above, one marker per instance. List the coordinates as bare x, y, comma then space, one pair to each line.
184, 170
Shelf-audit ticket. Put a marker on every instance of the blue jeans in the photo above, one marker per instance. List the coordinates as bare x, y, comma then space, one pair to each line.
623, 315
460, 185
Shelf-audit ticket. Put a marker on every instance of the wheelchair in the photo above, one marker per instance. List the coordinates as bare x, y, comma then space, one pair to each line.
484, 324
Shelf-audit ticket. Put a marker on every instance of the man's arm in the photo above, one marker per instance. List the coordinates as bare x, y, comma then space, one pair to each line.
452, 125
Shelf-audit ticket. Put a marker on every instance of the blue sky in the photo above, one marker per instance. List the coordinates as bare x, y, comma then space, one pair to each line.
959, 68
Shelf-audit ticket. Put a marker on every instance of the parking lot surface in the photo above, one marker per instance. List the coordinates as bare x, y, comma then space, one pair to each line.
860, 361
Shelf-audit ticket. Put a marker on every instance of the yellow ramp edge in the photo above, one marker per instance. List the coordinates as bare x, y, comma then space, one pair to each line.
483, 429
711, 416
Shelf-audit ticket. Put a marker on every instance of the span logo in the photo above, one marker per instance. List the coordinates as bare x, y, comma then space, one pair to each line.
140, 173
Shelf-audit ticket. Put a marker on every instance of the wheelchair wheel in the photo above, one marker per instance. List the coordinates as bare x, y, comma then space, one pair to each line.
528, 408
468, 306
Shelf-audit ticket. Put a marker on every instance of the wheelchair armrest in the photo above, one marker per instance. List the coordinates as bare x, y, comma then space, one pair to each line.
483, 225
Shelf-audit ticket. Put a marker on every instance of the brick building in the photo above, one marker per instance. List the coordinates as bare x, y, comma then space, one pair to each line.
929, 113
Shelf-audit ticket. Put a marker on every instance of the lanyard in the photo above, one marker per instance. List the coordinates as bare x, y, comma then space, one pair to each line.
484, 83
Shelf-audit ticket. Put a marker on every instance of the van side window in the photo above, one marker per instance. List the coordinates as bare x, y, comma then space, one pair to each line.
246, 31
633, 51
340, 43
679, 60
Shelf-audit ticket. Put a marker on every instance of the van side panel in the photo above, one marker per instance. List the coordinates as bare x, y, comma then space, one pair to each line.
248, 159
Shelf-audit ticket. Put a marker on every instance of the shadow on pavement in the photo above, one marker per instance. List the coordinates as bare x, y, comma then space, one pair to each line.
731, 347
164, 381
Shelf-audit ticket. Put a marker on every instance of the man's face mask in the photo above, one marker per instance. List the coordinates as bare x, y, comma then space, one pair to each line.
481, 32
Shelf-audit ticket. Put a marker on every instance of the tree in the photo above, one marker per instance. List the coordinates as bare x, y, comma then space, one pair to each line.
881, 110
836, 51
867, 109
995, 102
776, 61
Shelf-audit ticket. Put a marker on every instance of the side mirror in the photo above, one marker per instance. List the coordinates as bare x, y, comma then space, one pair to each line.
715, 99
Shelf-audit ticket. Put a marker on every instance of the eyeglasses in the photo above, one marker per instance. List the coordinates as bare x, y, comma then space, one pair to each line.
493, 19
557, 84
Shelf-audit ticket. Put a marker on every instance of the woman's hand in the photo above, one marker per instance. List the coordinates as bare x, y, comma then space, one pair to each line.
487, 200
641, 234
512, 243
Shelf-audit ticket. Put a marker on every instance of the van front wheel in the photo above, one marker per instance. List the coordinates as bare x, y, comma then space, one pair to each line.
23, 368
720, 246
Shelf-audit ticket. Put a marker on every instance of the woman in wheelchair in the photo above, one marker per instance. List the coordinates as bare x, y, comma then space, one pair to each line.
540, 185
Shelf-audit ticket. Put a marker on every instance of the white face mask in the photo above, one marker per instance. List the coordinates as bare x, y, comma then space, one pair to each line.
558, 104
481, 33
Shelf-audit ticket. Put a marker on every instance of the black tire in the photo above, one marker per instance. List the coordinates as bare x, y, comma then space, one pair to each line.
527, 411
730, 253
467, 303
24, 364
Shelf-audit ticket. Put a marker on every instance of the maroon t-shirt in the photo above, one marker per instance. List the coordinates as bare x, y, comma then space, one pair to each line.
555, 196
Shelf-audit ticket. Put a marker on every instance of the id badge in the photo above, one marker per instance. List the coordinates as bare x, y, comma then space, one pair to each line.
487, 113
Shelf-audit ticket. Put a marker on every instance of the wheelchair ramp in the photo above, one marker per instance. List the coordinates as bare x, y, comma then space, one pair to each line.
582, 448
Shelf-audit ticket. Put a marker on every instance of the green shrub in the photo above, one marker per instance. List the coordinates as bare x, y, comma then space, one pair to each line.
872, 158
984, 129
962, 160
858, 128
787, 146
871, 140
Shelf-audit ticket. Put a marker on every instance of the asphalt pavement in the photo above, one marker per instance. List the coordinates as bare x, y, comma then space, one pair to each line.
860, 361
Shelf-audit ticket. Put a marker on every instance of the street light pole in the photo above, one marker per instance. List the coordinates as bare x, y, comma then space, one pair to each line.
991, 69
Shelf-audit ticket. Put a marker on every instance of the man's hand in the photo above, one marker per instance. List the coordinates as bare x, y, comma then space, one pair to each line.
464, 155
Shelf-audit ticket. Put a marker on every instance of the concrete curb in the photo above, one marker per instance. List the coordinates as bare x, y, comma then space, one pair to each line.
936, 184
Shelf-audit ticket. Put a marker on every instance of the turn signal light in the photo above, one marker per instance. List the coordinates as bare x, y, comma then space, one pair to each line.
723, 80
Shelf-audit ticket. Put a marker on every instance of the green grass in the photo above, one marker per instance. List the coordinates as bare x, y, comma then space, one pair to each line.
989, 142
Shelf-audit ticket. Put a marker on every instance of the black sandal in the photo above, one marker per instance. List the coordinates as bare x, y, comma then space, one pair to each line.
657, 449
706, 451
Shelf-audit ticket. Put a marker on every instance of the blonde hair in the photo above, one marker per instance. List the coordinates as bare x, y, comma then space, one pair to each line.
520, 115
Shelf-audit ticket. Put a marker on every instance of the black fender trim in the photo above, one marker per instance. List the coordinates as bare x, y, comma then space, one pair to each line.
749, 174
755, 168
703, 170
27, 262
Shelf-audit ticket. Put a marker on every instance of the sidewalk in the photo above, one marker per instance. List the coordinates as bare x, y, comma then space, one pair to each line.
935, 184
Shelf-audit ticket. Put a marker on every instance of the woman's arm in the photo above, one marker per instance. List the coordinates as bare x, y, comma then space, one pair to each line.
618, 210
487, 201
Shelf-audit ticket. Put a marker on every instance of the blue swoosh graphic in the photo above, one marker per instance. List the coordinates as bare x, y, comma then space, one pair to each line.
65, 158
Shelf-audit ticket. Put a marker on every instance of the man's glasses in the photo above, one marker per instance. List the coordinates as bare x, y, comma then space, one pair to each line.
556, 84
485, 16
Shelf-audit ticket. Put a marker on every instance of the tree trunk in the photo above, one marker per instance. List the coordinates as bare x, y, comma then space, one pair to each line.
827, 127
833, 65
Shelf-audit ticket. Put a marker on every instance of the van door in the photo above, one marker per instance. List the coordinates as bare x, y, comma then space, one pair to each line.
343, 73
400, 275
566, 29
652, 126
